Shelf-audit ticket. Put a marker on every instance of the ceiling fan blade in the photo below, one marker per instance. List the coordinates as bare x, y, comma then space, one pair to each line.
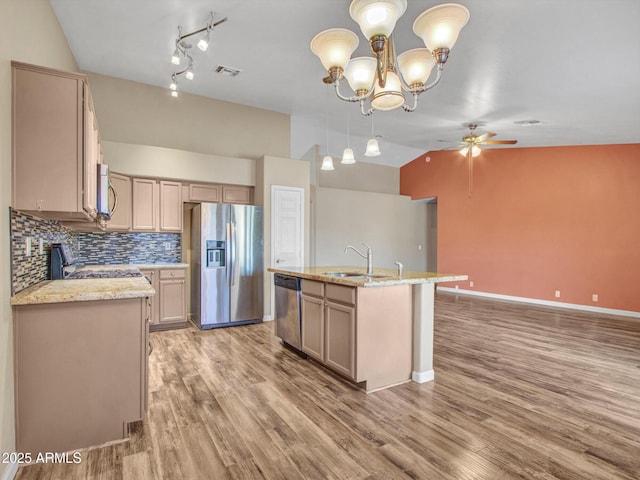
485, 136
500, 142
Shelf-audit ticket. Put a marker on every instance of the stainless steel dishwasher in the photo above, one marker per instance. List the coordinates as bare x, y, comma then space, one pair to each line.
288, 322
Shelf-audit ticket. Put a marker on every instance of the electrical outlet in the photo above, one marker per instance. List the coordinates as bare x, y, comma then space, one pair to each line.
471, 283
557, 293
456, 287
27, 246
167, 246
594, 297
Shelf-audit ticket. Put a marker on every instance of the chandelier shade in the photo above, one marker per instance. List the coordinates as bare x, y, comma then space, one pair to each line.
407, 74
377, 17
415, 66
440, 26
334, 47
348, 158
327, 163
373, 149
360, 73
390, 96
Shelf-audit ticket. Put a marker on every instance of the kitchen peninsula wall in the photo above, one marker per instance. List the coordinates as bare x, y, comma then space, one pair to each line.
90, 248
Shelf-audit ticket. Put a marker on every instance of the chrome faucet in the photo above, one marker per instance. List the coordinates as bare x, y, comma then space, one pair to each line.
400, 269
368, 256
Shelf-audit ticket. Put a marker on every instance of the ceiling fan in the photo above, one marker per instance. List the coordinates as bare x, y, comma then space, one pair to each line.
471, 147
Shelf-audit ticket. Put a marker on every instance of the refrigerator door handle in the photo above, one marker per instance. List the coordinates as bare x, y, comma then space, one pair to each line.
228, 255
233, 253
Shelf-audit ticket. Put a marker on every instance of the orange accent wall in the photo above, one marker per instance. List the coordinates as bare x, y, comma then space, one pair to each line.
539, 220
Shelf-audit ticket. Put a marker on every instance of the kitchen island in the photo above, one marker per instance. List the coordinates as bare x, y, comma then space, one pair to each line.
374, 329
81, 362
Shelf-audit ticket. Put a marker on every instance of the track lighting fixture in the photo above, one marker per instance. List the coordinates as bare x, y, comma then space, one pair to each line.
183, 47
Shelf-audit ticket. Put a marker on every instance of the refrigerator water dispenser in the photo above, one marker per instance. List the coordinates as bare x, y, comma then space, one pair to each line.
215, 254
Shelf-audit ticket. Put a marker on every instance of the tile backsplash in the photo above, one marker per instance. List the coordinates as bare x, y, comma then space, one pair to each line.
89, 248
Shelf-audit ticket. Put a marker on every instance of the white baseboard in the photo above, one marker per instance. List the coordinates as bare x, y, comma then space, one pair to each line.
267, 318
548, 303
423, 377
10, 471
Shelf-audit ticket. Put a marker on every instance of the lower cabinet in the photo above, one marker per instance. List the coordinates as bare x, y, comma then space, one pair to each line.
80, 373
364, 334
169, 305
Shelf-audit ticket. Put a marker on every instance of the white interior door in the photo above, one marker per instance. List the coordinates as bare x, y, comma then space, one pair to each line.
287, 226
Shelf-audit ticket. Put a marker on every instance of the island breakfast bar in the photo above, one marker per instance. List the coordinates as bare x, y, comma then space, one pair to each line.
379, 283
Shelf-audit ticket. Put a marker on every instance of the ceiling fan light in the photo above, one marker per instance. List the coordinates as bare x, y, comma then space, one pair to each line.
390, 96
347, 157
475, 151
415, 65
373, 149
439, 26
464, 150
377, 17
360, 73
334, 47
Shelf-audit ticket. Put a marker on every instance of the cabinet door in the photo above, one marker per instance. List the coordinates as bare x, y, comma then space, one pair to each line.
152, 303
173, 304
236, 194
121, 218
145, 205
204, 193
313, 326
47, 120
340, 334
170, 206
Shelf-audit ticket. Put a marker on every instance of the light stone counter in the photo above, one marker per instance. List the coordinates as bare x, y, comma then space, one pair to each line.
83, 290
385, 277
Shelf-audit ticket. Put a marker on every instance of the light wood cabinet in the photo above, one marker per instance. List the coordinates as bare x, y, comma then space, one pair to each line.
153, 277
170, 206
236, 194
56, 144
145, 204
80, 372
121, 217
364, 334
169, 305
204, 193
312, 326
156, 205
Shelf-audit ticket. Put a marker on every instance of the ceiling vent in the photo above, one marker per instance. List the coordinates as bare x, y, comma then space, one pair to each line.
227, 71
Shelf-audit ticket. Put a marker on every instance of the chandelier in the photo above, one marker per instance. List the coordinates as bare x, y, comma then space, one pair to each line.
182, 51
384, 77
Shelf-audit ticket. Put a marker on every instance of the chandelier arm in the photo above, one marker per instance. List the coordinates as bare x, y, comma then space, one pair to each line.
407, 108
381, 66
336, 83
435, 82
364, 112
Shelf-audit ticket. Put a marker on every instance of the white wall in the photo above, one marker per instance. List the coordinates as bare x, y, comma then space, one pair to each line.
394, 225
30, 33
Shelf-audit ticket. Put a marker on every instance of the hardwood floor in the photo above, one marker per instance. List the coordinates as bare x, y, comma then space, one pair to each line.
521, 391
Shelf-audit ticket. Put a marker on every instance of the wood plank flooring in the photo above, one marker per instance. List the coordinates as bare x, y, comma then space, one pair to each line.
521, 391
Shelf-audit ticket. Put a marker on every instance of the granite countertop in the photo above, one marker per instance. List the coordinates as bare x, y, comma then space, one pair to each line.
142, 266
83, 290
384, 276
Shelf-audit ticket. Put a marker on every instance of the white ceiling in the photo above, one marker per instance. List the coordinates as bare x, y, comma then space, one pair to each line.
574, 65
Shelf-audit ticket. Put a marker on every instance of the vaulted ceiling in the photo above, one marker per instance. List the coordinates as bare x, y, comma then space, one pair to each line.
572, 65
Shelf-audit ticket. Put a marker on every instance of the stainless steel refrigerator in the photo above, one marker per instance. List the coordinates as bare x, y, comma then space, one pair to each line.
227, 265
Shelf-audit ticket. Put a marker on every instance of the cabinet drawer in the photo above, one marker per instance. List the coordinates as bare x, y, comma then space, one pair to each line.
172, 273
341, 293
311, 287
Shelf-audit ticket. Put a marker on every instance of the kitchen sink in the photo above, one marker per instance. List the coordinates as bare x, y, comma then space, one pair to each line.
354, 275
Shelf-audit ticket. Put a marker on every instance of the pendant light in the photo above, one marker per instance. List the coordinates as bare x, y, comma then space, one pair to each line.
373, 149
327, 161
347, 156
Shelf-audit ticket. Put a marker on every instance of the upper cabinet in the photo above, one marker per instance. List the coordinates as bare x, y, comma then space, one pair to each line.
56, 145
157, 205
